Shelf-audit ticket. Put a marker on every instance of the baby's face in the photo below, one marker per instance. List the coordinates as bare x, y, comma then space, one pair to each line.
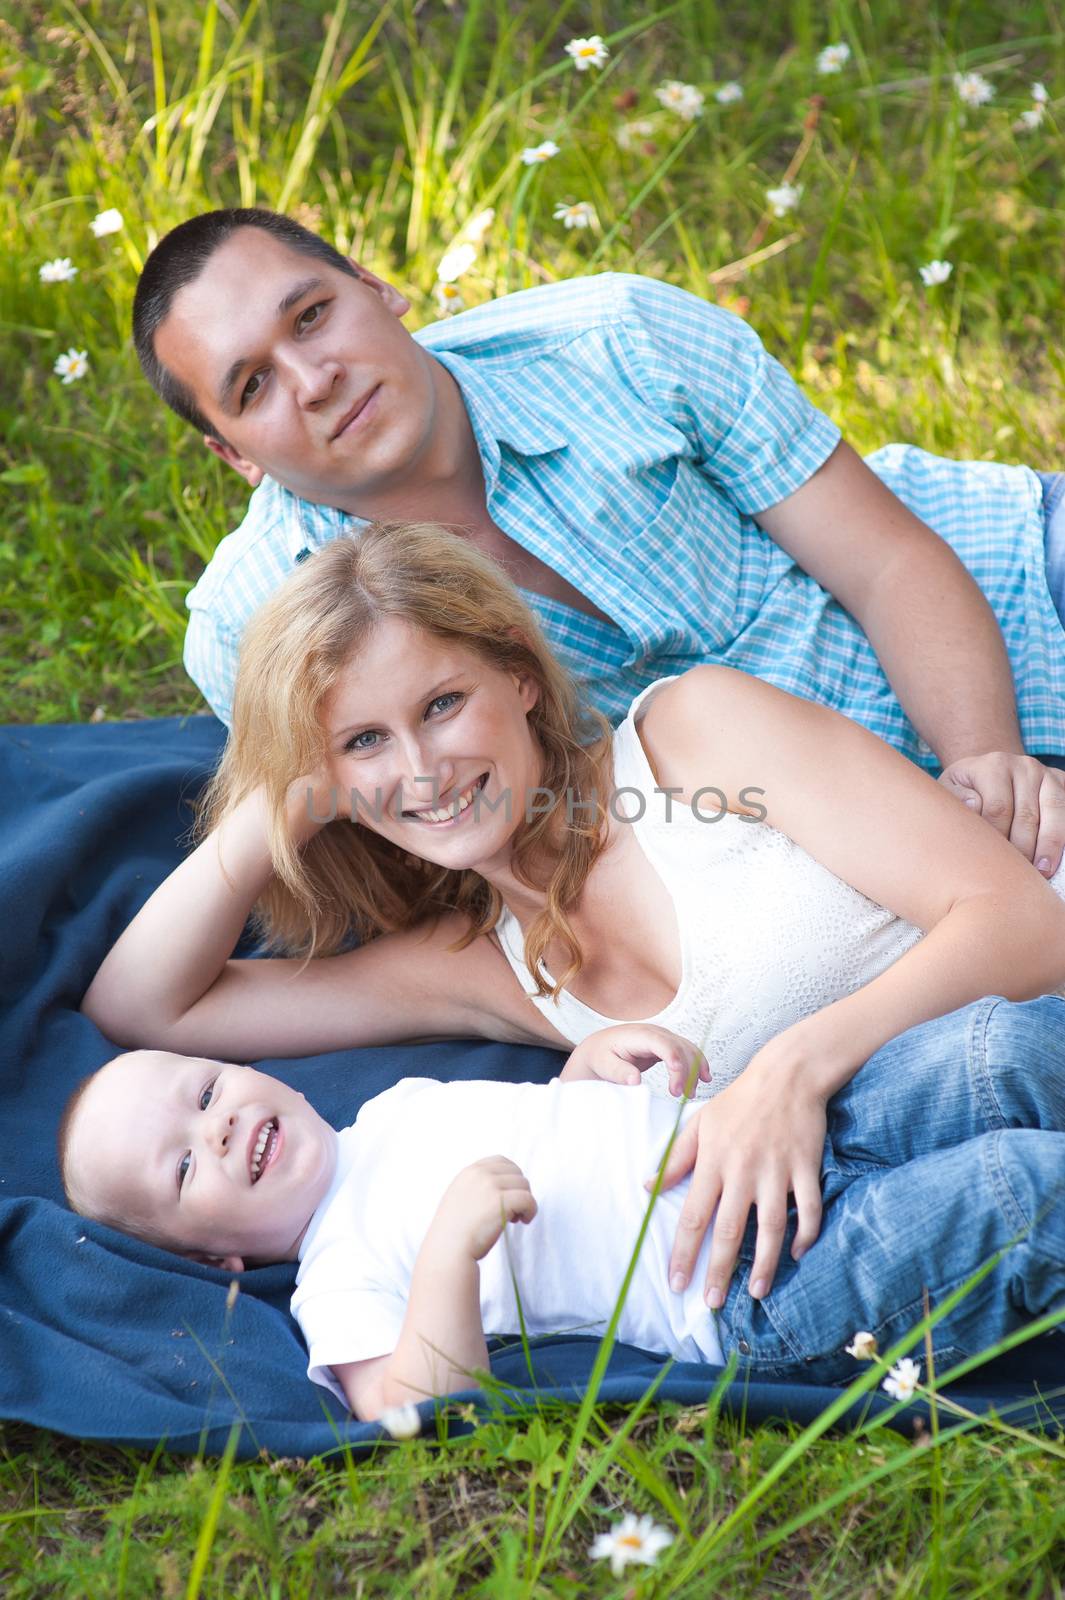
216, 1158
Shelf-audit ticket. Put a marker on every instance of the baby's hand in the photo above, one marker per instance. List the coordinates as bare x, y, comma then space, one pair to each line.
621, 1053
478, 1203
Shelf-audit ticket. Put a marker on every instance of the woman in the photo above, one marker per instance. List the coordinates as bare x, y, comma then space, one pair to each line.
736, 866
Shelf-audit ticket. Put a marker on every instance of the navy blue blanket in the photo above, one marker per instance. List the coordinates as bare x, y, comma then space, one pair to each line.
107, 1338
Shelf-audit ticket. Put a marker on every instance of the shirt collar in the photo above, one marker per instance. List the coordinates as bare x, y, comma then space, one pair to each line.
501, 411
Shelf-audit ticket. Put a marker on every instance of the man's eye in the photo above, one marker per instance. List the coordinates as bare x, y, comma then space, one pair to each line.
205, 1095
183, 1167
251, 388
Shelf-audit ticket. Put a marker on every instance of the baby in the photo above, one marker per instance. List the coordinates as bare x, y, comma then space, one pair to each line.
399, 1222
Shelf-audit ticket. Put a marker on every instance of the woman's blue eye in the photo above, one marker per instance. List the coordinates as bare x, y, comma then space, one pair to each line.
443, 699
355, 742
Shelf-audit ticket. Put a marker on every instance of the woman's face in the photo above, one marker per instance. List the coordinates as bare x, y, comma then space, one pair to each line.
433, 746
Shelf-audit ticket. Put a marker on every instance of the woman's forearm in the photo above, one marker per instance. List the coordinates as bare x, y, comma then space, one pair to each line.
986, 944
179, 942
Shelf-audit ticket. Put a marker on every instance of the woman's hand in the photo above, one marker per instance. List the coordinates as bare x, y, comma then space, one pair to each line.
476, 1205
753, 1144
621, 1053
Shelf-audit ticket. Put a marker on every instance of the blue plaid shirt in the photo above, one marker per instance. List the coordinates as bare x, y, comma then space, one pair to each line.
629, 432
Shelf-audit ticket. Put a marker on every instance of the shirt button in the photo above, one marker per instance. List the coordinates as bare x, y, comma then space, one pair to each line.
744, 1348
301, 555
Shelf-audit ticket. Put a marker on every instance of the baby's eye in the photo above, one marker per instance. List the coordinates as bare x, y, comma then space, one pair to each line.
183, 1167
205, 1095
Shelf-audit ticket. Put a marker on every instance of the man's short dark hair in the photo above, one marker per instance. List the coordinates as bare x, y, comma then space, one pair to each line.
178, 259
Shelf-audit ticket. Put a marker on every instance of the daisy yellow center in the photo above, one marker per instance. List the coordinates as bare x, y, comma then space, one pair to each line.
632, 1539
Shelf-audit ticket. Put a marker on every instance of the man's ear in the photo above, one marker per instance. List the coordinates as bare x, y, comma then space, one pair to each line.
397, 303
225, 452
229, 1263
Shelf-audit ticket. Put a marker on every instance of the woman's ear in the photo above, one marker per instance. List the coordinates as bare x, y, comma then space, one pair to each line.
528, 690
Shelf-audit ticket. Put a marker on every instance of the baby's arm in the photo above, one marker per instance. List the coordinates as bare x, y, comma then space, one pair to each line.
621, 1053
441, 1343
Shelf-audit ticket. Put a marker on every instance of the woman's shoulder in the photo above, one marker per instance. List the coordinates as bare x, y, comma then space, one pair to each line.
704, 729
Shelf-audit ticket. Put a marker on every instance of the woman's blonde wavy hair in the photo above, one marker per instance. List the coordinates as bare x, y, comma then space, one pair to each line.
348, 880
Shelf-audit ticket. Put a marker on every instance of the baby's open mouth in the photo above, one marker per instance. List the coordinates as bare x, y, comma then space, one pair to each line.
454, 808
265, 1146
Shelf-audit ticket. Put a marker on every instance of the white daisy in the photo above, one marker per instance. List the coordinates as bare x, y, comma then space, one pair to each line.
581, 215
903, 1379
784, 198
683, 98
71, 365
1031, 118
936, 272
448, 298
106, 222
633, 1539
973, 88
585, 53
1039, 94
535, 153
864, 1347
478, 226
456, 261
728, 94
632, 133
58, 271
833, 58
401, 1422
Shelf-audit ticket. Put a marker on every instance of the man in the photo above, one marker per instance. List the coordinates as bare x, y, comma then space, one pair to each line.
643, 469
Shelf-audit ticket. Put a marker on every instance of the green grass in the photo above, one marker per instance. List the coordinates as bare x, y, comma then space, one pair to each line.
389, 128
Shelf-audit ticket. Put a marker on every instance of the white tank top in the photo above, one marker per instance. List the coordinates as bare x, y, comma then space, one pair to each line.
767, 934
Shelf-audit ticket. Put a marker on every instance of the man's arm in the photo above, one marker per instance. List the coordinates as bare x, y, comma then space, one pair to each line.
937, 640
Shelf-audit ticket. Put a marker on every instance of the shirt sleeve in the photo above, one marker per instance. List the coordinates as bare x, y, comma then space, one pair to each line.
211, 661
348, 1324
754, 432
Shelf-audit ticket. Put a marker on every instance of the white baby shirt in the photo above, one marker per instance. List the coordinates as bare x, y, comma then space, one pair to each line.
585, 1148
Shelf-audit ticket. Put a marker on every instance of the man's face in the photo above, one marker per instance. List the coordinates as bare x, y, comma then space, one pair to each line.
307, 373
217, 1159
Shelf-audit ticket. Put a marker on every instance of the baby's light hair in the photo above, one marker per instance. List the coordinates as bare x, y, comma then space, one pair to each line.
77, 1196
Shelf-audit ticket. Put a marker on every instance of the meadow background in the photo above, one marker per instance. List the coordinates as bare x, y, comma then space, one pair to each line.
395, 130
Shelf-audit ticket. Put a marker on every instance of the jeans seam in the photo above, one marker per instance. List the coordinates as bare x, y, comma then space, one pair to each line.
1001, 1186
981, 1072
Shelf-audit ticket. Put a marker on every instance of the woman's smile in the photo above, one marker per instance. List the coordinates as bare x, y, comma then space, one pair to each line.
460, 806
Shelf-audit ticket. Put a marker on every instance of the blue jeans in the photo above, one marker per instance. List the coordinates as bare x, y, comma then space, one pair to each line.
945, 1146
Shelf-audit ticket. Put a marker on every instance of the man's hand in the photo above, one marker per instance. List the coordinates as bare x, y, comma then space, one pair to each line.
759, 1140
621, 1053
477, 1205
1022, 800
